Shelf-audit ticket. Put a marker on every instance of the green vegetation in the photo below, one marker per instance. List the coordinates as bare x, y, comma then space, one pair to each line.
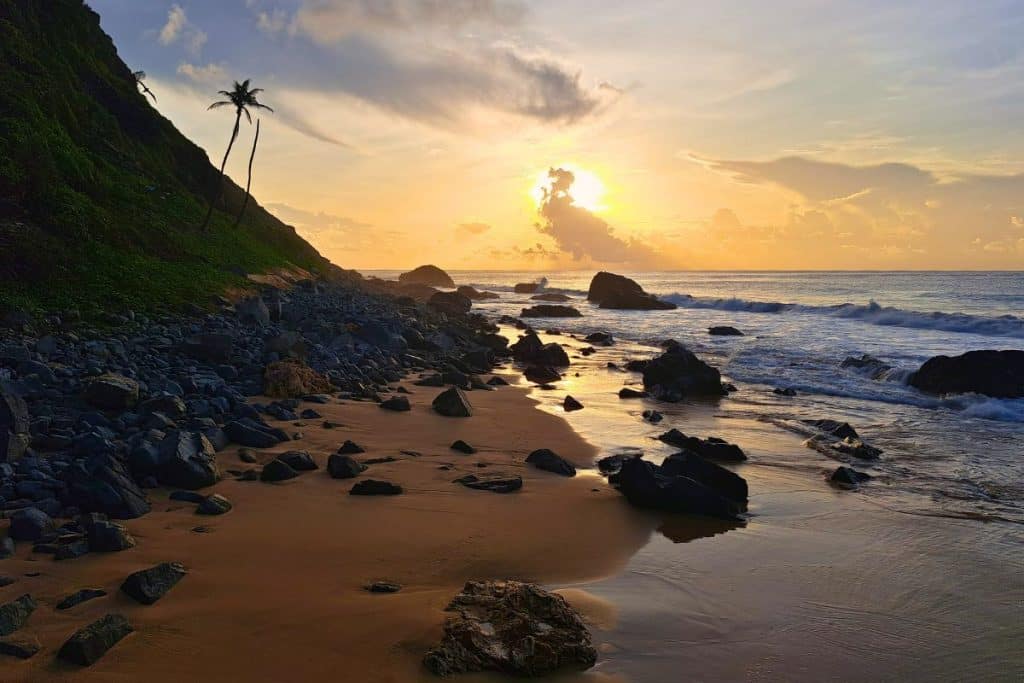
101, 198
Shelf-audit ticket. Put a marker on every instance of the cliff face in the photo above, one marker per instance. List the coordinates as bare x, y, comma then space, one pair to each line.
101, 196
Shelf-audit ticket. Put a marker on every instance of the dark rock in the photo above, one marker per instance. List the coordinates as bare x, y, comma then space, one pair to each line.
526, 287
20, 646
550, 311
383, 587
541, 374
570, 404
149, 585
530, 349
602, 338
253, 311
450, 303
91, 642
396, 403
652, 416
999, 374
30, 524
868, 365
722, 481
626, 392
513, 628
248, 432
551, 296
610, 464
712, 448
212, 348
14, 424
841, 430
80, 596
310, 414
275, 470
112, 392
497, 381
343, 466
427, 275
678, 373
245, 455
462, 447
452, 403
784, 391
187, 460
724, 331
375, 487
15, 613
495, 483
186, 496
549, 461
350, 448
609, 290
101, 484
474, 294
108, 537
214, 504
645, 486
300, 461
847, 477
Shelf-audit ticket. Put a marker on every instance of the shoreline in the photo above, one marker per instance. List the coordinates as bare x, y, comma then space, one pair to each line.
275, 588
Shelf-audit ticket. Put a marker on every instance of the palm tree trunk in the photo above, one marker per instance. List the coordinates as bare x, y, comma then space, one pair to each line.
220, 183
248, 182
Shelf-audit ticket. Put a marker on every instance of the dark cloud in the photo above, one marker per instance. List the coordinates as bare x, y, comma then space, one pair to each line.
583, 235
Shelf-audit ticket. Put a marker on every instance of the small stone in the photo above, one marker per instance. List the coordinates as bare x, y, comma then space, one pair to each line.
15, 613
80, 596
246, 455
396, 403
276, 470
495, 484
570, 404
463, 447
343, 466
375, 487
383, 587
214, 504
20, 646
626, 392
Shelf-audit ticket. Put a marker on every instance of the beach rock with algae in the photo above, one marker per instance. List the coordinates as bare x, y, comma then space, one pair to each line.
513, 628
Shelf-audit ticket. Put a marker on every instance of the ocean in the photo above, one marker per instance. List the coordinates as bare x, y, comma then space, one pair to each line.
917, 574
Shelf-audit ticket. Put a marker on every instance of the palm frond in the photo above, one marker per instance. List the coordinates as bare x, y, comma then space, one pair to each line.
217, 105
248, 117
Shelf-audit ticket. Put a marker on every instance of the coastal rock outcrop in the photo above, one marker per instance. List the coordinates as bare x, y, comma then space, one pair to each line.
450, 303
475, 294
689, 484
427, 275
513, 628
678, 374
526, 287
609, 290
999, 374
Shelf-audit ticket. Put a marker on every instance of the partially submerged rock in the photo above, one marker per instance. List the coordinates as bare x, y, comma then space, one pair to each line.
649, 486
678, 374
999, 374
551, 297
91, 642
724, 331
427, 275
712, 448
513, 628
550, 311
609, 290
847, 477
570, 404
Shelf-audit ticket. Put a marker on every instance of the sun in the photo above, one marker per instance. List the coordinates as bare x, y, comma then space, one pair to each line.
587, 189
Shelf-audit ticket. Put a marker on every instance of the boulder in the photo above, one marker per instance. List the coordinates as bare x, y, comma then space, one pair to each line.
847, 477
187, 460
22, 646
722, 481
398, 404
14, 424
644, 485
474, 294
112, 392
253, 311
626, 392
212, 348
292, 378
344, 466
602, 338
427, 275
526, 287
275, 470
678, 374
841, 430
248, 432
497, 381
724, 331
868, 365
30, 524
452, 403
450, 303
609, 290
106, 536
91, 642
570, 404
549, 461
512, 628
375, 487
999, 374
495, 483
552, 297
300, 461
541, 374
149, 585
14, 614
550, 311
214, 504
530, 349
712, 448
350, 448
100, 483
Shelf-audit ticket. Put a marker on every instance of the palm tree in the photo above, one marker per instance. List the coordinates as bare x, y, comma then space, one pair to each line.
248, 181
140, 76
241, 98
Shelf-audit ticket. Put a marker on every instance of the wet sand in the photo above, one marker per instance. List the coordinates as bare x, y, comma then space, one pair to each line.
275, 587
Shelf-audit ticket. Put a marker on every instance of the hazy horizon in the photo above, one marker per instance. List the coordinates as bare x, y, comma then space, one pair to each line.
802, 136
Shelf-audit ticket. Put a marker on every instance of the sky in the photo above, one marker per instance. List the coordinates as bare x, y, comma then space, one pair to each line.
577, 134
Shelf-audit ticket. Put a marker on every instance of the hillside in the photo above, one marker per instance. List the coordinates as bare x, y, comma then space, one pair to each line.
101, 196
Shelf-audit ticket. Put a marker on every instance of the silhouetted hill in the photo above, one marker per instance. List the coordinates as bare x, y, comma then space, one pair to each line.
101, 196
